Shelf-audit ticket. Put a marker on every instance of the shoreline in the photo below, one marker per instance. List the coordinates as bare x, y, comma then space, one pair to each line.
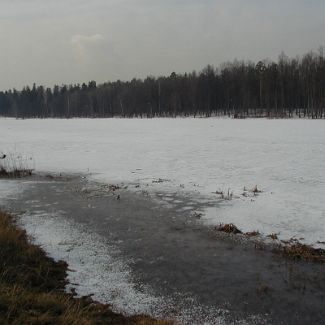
32, 286
163, 245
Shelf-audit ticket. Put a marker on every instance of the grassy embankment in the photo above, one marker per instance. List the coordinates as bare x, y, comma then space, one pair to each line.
32, 287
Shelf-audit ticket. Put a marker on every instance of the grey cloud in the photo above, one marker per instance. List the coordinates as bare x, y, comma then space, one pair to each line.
67, 41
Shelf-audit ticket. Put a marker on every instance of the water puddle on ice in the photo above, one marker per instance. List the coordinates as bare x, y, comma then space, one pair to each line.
96, 267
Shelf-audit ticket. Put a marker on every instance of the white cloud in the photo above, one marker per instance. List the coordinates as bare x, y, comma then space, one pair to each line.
83, 45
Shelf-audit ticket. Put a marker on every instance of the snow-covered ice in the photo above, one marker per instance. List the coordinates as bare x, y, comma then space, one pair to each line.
284, 158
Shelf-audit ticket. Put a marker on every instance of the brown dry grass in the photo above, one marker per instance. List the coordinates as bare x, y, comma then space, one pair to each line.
14, 165
32, 287
273, 236
254, 233
17, 173
228, 228
301, 251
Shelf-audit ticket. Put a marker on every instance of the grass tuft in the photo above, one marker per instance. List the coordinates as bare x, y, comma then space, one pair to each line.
15, 165
228, 228
273, 236
299, 251
254, 233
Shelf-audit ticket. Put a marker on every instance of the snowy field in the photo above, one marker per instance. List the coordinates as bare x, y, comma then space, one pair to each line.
197, 157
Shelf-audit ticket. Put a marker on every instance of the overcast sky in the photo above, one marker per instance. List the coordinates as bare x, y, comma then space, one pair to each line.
70, 41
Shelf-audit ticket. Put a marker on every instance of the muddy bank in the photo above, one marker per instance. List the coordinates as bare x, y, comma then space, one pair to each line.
171, 254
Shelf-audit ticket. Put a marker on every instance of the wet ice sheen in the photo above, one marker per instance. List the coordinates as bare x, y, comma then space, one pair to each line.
97, 268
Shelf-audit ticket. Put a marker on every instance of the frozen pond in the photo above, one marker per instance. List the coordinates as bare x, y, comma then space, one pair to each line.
284, 158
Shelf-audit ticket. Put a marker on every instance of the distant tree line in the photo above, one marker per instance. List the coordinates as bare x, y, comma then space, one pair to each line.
289, 87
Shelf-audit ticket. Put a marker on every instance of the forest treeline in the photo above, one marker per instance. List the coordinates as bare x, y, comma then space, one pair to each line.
286, 88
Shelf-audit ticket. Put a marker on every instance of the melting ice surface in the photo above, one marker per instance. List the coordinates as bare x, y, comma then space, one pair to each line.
284, 158
97, 267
